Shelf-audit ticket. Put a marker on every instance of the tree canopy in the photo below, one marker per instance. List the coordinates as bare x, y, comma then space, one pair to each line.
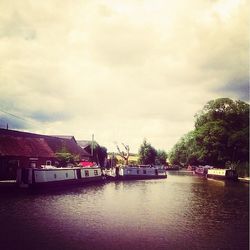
161, 157
221, 134
99, 154
149, 155
65, 158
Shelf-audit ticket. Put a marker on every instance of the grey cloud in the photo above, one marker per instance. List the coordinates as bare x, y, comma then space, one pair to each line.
15, 26
224, 47
122, 43
12, 122
238, 87
50, 116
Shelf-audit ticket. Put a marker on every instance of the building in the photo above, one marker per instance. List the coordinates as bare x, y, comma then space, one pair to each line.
87, 145
23, 149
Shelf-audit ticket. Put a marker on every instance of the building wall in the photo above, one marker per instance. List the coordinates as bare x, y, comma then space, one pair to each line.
10, 164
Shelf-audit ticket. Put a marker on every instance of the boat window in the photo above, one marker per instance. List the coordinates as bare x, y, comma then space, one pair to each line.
144, 171
33, 164
95, 172
138, 171
48, 163
86, 173
66, 175
55, 176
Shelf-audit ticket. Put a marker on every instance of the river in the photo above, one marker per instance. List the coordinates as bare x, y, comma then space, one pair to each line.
180, 212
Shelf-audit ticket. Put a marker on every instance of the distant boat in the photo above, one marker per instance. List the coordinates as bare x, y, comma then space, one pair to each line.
224, 174
202, 170
191, 168
50, 176
111, 173
175, 167
142, 172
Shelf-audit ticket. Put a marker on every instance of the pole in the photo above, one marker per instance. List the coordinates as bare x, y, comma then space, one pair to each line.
92, 146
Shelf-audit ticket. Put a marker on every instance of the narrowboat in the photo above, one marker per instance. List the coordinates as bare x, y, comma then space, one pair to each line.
49, 176
111, 174
142, 172
224, 174
202, 170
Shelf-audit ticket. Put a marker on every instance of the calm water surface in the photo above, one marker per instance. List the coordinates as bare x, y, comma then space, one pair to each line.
181, 212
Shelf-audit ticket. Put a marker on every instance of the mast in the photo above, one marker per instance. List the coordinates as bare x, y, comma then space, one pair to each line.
92, 145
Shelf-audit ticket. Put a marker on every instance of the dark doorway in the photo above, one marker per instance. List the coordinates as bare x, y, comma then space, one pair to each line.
78, 173
8, 169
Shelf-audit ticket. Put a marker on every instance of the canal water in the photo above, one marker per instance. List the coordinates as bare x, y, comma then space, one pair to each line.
180, 212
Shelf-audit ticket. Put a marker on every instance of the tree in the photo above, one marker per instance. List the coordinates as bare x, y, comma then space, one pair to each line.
147, 154
99, 155
222, 131
161, 157
65, 158
220, 136
124, 154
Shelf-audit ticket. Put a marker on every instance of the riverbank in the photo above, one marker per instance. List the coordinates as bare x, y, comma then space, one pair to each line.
244, 179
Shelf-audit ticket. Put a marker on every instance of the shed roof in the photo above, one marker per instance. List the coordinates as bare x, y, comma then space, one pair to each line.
21, 146
86, 143
20, 143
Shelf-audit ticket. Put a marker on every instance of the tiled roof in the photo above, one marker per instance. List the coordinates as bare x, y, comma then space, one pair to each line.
29, 144
86, 145
21, 146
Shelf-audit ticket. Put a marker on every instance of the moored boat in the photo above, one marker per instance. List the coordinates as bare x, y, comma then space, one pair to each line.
142, 172
224, 174
202, 170
53, 176
110, 174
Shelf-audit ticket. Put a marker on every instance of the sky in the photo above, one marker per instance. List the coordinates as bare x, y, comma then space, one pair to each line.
124, 71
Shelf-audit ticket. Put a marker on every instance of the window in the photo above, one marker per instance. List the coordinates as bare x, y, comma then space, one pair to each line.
86, 172
138, 171
55, 176
48, 163
67, 175
144, 171
95, 172
33, 164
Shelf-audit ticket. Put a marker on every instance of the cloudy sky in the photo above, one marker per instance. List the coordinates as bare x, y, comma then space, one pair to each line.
121, 70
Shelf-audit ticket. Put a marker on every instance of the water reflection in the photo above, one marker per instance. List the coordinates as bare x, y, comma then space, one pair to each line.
181, 212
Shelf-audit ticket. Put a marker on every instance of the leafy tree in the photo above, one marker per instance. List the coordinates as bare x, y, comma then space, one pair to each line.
99, 155
147, 154
221, 135
65, 158
222, 131
161, 157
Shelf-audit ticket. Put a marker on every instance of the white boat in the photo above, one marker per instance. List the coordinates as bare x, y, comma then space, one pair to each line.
111, 173
52, 176
224, 174
202, 170
142, 172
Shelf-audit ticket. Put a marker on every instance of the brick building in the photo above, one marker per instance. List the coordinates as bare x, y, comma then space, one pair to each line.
23, 149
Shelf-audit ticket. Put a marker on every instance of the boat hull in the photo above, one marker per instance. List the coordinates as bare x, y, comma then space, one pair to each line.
219, 177
222, 174
65, 183
141, 177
